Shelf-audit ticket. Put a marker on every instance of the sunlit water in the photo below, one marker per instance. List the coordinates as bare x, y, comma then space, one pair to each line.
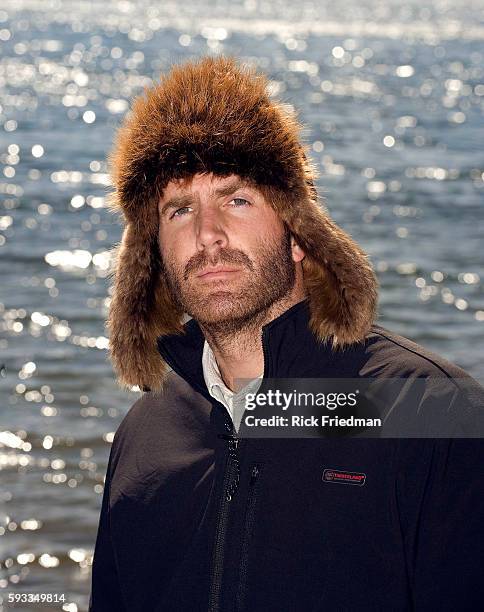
393, 100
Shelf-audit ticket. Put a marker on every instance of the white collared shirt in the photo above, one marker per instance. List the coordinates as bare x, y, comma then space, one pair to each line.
234, 403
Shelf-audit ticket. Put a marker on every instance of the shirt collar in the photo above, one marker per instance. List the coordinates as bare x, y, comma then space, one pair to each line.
211, 372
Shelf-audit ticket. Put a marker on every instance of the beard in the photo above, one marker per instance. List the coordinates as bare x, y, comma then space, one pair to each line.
229, 306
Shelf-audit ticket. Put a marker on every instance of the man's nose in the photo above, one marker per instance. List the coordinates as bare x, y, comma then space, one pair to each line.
210, 230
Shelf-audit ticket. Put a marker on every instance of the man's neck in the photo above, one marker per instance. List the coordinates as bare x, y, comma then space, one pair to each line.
239, 352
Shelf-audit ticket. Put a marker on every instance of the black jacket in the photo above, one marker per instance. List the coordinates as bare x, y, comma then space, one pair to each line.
194, 519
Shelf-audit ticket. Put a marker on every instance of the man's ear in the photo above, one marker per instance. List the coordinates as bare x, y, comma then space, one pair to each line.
297, 253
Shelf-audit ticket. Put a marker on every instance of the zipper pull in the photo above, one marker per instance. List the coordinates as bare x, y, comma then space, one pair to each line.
231, 438
253, 475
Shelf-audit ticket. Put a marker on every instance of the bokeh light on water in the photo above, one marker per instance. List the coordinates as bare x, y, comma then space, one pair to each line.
392, 95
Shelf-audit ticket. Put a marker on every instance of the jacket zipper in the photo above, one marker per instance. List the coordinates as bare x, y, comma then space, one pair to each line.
229, 487
249, 522
266, 355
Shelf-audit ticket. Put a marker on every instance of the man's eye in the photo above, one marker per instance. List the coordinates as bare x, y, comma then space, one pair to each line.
240, 200
178, 210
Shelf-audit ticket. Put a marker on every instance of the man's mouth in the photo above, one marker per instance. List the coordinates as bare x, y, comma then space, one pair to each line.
216, 272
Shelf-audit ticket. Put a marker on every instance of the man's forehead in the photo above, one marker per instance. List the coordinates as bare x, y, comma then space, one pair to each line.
210, 181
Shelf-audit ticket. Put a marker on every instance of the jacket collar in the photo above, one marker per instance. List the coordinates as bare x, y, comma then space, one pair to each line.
290, 349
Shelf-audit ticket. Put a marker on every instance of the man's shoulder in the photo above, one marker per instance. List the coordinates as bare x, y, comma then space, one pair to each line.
157, 413
402, 357
155, 435
391, 355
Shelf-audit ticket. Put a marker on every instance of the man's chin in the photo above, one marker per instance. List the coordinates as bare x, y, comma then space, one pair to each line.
219, 307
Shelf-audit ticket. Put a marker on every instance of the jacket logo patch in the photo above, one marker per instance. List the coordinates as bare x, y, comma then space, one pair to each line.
340, 476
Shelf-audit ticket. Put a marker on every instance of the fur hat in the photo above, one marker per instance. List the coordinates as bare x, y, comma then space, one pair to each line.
214, 115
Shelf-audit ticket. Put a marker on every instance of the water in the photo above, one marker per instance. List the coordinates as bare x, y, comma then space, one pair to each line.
393, 98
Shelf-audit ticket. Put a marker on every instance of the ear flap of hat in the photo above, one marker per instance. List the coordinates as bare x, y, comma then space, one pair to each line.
340, 282
141, 308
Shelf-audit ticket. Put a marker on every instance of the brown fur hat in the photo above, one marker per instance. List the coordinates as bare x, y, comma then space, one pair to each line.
213, 115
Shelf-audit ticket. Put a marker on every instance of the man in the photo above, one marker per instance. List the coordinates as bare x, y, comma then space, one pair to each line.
223, 224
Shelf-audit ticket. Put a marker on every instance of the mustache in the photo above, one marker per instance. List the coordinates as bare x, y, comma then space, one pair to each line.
200, 261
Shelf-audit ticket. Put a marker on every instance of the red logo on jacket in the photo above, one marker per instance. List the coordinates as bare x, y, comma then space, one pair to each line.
344, 477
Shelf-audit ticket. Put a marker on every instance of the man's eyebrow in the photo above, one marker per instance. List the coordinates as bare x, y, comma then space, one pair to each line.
186, 200
231, 188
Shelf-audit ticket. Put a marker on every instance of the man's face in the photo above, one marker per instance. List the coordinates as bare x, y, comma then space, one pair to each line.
221, 222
